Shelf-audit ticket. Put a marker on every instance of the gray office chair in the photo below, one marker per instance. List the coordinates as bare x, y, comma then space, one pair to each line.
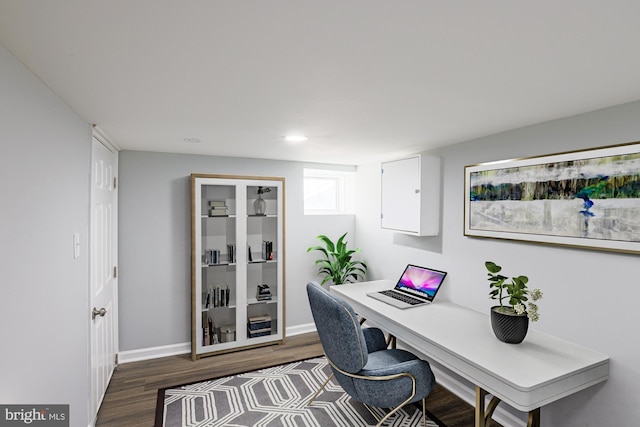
360, 360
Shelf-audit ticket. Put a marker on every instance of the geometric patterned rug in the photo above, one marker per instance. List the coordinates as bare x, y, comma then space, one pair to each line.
272, 397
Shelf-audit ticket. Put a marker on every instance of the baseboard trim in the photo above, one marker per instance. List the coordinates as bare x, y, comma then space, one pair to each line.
301, 329
185, 348
153, 352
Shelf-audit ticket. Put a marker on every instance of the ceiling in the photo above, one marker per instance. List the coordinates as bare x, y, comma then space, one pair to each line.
365, 80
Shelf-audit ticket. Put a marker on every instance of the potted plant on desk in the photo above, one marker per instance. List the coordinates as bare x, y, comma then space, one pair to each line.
337, 264
510, 322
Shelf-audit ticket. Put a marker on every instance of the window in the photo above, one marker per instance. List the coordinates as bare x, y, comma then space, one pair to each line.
328, 192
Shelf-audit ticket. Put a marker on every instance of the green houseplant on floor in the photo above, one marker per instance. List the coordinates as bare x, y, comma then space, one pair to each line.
337, 264
510, 321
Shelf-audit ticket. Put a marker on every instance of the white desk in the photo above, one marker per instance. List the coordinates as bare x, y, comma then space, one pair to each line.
527, 376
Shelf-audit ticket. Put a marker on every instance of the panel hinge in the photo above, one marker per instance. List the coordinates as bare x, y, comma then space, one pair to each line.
115, 182
115, 272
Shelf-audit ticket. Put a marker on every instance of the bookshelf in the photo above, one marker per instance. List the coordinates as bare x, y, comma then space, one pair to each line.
237, 247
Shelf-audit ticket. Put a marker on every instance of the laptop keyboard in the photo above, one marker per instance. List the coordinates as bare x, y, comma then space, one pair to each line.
401, 297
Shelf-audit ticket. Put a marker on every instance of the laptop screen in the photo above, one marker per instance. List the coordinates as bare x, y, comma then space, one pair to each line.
421, 281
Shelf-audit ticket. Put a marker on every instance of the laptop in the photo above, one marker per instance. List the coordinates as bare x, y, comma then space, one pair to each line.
417, 286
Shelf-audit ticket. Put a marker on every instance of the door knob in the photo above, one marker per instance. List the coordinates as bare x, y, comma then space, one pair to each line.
97, 312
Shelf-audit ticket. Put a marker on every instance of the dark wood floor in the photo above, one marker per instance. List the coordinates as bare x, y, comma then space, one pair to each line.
131, 397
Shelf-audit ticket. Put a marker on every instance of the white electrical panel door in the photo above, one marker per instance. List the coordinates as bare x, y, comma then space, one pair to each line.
411, 195
401, 195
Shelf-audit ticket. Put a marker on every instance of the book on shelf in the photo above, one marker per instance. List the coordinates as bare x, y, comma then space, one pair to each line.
206, 340
209, 330
259, 318
217, 296
215, 256
259, 332
267, 250
263, 293
212, 256
259, 326
213, 332
217, 208
231, 253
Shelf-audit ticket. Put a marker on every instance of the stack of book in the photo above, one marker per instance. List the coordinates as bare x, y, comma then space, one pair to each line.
263, 293
259, 326
217, 208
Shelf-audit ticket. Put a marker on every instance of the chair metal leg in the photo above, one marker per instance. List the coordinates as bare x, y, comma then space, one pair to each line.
320, 389
393, 411
424, 411
381, 378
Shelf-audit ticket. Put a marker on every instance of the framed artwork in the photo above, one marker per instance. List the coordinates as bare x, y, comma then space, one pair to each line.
587, 199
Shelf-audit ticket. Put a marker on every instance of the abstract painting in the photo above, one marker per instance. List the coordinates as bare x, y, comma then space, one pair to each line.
585, 198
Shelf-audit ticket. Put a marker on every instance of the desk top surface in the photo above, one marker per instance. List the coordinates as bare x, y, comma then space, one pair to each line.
462, 339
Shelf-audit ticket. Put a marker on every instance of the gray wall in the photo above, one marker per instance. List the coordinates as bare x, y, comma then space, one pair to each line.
44, 188
589, 296
155, 236
44, 171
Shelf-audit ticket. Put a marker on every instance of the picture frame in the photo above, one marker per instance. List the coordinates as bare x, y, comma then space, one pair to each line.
586, 199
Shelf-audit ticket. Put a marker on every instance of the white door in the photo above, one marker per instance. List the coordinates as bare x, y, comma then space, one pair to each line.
103, 293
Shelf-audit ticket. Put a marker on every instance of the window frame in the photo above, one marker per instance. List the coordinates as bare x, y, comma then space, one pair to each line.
344, 189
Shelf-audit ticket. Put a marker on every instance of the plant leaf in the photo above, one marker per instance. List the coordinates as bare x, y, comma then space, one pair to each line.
492, 267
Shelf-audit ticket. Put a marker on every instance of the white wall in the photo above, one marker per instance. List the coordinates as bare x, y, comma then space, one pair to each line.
155, 239
589, 296
44, 188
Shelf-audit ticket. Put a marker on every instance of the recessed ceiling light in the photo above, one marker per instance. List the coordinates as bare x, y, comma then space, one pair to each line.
192, 140
295, 138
